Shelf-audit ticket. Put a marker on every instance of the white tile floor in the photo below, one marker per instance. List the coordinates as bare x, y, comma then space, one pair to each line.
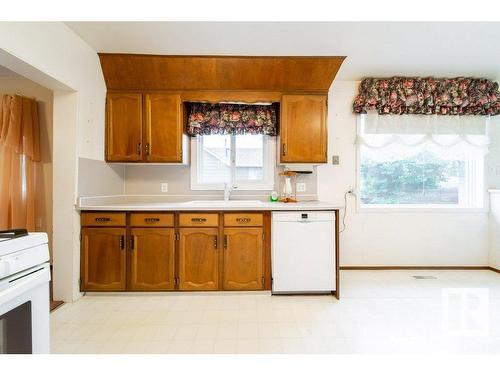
379, 312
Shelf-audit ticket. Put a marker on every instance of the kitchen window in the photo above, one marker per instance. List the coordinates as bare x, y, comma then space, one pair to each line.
242, 160
421, 161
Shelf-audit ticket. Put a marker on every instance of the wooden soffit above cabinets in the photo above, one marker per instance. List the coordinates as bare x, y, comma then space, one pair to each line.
230, 73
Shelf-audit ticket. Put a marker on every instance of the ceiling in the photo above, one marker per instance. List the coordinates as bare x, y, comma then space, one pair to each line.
7, 73
444, 49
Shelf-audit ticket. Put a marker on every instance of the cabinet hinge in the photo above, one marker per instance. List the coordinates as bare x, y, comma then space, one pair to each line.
263, 280
177, 236
263, 236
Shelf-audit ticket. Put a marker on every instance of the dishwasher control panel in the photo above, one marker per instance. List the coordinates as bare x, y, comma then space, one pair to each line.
304, 216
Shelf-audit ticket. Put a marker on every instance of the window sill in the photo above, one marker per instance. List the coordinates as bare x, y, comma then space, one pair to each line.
435, 210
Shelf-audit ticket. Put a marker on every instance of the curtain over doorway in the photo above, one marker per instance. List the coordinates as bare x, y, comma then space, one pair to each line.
19, 153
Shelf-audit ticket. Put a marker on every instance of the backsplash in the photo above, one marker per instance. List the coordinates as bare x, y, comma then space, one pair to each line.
147, 179
97, 177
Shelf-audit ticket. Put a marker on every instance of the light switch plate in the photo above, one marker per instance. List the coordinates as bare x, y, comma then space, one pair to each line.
335, 160
301, 187
164, 187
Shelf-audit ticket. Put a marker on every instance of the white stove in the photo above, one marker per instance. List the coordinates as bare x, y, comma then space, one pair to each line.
24, 292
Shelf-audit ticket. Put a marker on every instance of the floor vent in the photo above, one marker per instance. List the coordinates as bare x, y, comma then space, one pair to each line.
419, 277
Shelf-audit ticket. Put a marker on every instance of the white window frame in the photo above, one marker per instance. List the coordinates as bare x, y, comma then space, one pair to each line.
269, 162
401, 208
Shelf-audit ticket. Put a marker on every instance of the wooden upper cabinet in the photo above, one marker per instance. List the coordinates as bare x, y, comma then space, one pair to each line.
124, 127
103, 259
303, 132
163, 127
152, 258
243, 262
198, 259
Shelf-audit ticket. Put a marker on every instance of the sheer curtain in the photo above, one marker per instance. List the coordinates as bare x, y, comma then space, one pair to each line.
19, 152
444, 134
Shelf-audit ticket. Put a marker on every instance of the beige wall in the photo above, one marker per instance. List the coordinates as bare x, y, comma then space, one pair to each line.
45, 98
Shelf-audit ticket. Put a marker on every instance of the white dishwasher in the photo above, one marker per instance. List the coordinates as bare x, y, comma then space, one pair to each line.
303, 252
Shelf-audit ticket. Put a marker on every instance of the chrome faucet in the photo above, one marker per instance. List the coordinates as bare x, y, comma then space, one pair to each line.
228, 188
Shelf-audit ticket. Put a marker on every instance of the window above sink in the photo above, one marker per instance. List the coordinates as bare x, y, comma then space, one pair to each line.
246, 161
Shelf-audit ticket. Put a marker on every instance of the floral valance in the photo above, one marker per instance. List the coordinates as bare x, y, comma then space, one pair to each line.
428, 96
225, 118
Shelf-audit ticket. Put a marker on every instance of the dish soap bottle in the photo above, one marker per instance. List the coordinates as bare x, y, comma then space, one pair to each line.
274, 196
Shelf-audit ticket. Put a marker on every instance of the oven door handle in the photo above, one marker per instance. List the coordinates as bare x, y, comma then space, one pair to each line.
24, 280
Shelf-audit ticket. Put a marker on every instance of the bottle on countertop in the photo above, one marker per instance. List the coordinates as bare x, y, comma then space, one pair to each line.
274, 196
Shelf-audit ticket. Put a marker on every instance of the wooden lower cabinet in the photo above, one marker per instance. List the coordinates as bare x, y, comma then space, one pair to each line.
166, 251
152, 255
243, 259
103, 259
198, 259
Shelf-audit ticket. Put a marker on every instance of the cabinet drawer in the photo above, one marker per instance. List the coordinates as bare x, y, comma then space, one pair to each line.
103, 219
151, 220
243, 219
198, 220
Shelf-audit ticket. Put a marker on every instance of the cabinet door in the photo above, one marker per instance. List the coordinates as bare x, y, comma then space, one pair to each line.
103, 259
243, 268
198, 259
163, 127
303, 135
124, 127
152, 258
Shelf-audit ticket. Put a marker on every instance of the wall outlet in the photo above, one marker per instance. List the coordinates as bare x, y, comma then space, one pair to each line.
164, 187
301, 187
335, 160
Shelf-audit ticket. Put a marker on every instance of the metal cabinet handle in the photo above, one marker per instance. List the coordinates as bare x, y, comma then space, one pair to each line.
122, 242
132, 240
147, 149
102, 219
215, 242
151, 219
225, 241
284, 149
198, 219
243, 220
138, 148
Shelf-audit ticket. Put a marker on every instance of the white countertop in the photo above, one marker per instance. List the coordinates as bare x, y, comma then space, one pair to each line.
165, 203
494, 191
